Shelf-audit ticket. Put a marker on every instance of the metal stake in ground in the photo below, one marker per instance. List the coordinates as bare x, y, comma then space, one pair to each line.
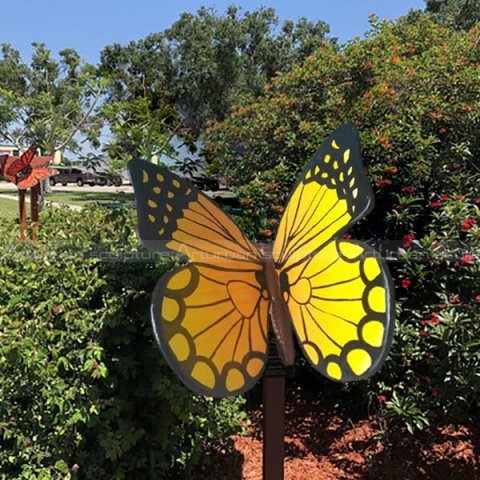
23, 213
273, 416
34, 195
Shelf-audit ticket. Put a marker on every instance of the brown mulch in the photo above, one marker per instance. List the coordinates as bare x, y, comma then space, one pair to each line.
321, 444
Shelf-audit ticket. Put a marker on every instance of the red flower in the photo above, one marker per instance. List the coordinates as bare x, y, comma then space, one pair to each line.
381, 398
460, 197
346, 236
444, 197
94, 365
408, 240
443, 130
477, 298
273, 222
436, 204
406, 283
408, 189
278, 209
266, 233
435, 391
467, 224
423, 333
467, 259
454, 299
381, 182
443, 305
477, 200
56, 310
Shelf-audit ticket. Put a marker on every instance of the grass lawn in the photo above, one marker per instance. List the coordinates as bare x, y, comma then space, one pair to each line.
80, 198
84, 197
8, 208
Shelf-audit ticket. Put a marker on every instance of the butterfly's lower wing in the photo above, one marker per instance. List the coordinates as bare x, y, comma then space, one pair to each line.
341, 305
34, 176
211, 325
210, 317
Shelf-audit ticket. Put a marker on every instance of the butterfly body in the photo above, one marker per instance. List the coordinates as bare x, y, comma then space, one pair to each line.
212, 317
22, 174
279, 315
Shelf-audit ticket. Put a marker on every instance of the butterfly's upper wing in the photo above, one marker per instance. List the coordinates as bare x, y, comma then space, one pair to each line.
339, 293
210, 316
331, 194
41, 161
175, 217
26, 159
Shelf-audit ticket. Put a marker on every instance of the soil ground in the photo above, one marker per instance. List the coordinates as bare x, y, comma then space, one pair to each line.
321, 444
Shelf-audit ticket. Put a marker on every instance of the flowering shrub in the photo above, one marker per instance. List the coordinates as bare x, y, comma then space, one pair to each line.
412, 88
84, 391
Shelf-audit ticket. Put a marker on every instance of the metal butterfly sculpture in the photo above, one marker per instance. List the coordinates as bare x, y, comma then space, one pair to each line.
25, 171
212, 317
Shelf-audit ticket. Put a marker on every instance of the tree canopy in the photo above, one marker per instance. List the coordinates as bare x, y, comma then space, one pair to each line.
204, 62
51, 101
458, 14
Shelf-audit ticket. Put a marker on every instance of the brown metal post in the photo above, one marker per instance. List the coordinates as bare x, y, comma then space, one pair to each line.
273, 417
34, 194
23, 213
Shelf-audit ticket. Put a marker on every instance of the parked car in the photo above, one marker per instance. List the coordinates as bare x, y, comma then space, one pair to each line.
107, 178
72, 175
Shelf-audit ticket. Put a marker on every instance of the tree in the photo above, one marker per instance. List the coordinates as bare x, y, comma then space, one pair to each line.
51, 101
458, 14
214, 59
141, 125
139, 112
175, 80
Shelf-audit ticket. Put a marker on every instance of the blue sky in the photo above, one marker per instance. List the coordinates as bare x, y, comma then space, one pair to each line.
89, 25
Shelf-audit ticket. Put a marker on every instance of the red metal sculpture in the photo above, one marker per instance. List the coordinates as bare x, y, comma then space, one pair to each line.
25, 172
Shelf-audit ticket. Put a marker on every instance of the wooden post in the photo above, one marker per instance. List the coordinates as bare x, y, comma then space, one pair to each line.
34, 194
273, 417
23, 213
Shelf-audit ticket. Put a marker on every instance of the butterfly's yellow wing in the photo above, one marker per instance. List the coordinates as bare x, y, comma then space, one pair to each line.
210, 316
338, 293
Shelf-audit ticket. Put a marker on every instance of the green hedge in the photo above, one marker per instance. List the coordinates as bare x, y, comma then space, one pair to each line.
84, 392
